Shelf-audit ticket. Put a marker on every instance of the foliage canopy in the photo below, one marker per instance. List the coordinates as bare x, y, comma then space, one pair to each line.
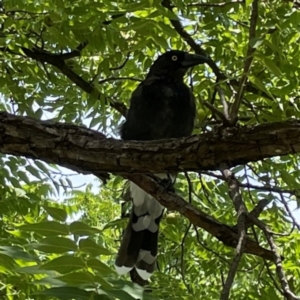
78, 61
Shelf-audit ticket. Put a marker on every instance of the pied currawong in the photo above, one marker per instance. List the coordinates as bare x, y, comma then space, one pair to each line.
161, 107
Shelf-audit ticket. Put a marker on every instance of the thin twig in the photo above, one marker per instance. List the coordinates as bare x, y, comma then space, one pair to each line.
122, 65
289, 295
224, 102
191, 42
295, 223
253, 186
220, 4
58, 61
256, 211
215, 111
199, 50
248, 63
209, 249
119, 78
267, 267
182, 246
235, 263
277, 287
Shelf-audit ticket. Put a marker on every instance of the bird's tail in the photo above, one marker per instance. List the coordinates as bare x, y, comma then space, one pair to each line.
140, 240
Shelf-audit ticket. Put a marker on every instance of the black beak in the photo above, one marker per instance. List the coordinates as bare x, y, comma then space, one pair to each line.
191, 60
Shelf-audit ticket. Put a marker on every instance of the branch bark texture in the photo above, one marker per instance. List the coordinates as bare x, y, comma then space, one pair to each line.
87, 151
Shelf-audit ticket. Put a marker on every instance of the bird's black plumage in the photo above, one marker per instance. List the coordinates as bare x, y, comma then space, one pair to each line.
162, 106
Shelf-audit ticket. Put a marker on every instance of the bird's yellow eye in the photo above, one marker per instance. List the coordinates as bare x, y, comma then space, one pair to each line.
174, 57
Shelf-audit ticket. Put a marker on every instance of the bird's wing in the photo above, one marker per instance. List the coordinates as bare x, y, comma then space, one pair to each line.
139, 117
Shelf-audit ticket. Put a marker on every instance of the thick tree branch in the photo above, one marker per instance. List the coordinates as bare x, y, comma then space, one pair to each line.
84, 150
88, 151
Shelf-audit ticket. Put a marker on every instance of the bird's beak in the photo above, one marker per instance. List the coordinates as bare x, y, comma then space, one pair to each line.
191, 60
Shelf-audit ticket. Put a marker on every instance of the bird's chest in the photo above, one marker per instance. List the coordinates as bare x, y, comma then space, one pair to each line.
171, 96
168, 103
175, 93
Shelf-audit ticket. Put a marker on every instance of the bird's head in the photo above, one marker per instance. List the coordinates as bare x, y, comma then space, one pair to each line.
175, 64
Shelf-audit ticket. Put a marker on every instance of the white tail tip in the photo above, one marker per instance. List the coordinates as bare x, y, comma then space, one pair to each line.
122, 270
144, 274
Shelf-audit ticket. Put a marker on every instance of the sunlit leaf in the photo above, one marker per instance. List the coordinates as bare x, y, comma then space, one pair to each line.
56, 213
89, 246
56, 245
80, 228
49, 228
64, 264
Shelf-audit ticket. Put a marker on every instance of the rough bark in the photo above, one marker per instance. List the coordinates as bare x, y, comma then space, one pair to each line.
87, 151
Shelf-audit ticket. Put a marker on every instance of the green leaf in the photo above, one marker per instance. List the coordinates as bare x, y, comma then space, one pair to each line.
89, 246
56, 213
66, 293
64, 264
167, 29
171, 234
119, 223
80, 228
256, 42
248, 2
33, 171
289, 179
260, 85
77, 278
48, 228
55, 245
160, 41
271, 66
15, 182
7, 264
99, 266
42, 166
17, 253
167, 13
137, 6
23, 177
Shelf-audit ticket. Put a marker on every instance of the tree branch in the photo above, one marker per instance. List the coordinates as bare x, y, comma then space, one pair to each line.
83, 44
58, 61
278, 261
267, 188
248, 63
219, 4
84, 150
236, 196
199, 50
88, 151
198, 218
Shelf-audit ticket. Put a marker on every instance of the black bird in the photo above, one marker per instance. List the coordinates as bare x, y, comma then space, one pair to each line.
162, 106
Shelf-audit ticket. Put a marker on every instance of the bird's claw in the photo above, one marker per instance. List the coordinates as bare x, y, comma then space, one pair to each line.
167, 184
